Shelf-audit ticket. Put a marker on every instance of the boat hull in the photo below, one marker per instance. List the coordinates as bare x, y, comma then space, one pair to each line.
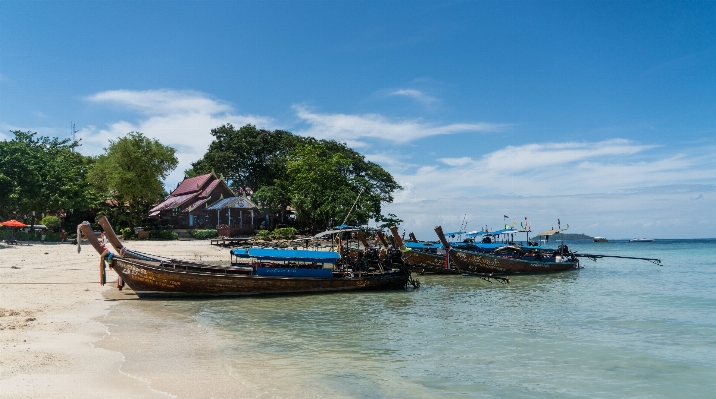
423, 262
486, 263
154, 278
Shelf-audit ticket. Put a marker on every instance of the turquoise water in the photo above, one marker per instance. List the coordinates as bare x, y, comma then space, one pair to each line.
617, 328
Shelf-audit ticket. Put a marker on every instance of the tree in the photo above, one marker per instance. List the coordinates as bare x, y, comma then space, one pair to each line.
272, 199
320, 179
51, 222
130, 173
249, 158
41, 174
317, 184
332, 183
388, 221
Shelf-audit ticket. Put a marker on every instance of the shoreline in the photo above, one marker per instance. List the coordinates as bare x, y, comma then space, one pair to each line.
51, 322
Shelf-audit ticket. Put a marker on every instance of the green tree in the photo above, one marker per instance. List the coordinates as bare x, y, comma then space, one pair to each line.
388, 221
249, 158
130, 173
51, 222
329, 183
317, 184
319, 178
273, 199
42, 174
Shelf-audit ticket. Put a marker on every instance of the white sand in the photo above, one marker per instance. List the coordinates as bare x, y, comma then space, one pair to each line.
49, 299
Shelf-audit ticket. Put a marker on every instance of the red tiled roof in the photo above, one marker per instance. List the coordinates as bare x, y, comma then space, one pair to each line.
195, 205
191, 185
212, 185
173, 202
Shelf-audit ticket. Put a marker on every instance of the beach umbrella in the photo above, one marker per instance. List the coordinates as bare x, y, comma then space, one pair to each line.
13, 223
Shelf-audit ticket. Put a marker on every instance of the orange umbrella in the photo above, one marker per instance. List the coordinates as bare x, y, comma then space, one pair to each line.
13, 223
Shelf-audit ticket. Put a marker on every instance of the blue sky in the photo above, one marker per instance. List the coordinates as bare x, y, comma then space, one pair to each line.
602, 114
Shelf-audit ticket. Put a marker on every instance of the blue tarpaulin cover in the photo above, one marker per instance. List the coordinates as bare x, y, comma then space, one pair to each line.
507, 231
240, 253
432, 245
454, 233
477, 233
295, 255
293, 272
423, 245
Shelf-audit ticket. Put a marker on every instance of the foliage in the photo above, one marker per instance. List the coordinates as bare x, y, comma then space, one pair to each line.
388, 221
52, 222
326, 180
249, 158
318, 188
42, 174
204, 234
264, 235
284, 233
320, 179
126, 233
163, 235
130, 173
21, 235
272, 199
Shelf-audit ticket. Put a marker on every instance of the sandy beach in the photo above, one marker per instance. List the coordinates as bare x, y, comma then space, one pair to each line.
50, 300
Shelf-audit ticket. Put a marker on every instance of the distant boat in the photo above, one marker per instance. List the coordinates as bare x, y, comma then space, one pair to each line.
600, 239
641, 240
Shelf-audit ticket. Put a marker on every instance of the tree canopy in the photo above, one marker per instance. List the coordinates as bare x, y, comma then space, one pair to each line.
320, 179
41, 174
130, 173
248, 158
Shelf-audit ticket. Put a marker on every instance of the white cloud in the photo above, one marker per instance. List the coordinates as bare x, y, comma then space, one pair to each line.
163, 102
181, 119
6, 128
416, 95
457, 161
354, 129
561, 168
659, 212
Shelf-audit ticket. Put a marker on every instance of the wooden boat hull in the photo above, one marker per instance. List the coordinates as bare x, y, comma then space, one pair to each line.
151, 275
423, 262
487, 263
153, 278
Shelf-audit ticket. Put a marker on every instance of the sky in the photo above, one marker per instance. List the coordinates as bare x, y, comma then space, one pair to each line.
600, 114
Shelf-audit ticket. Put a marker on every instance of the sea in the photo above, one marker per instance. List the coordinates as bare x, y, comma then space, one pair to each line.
617, 328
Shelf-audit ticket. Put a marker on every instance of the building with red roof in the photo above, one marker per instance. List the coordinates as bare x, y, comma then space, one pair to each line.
185, 208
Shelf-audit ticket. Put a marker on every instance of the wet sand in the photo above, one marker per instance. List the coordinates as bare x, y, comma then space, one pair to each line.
50, 301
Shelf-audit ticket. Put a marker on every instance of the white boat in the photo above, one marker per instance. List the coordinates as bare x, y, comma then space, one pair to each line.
641, 240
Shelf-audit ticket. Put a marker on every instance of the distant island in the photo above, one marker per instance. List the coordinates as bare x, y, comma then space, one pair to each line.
571, 237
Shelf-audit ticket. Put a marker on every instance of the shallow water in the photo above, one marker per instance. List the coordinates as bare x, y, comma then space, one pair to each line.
617, 328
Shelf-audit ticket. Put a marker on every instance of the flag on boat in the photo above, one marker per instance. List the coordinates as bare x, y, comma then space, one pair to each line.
506, 217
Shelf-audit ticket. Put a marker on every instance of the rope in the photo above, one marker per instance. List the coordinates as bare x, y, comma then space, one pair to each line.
105, 257
79, 239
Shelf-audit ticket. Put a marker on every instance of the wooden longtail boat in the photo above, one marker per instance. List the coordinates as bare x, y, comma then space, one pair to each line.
509, 259
422, 261
426, 262
150, 275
